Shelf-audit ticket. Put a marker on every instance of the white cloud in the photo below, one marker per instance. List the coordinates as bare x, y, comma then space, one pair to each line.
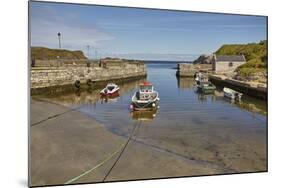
46, 23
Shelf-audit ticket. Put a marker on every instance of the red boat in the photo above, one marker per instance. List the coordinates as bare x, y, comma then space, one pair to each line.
110, 90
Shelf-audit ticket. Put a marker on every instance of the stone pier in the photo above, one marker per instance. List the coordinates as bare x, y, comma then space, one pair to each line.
255, 90
62, 77
189, 69
186, 70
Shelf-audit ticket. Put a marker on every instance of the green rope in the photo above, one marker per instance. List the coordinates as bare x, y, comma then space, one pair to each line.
103, 162
95, 167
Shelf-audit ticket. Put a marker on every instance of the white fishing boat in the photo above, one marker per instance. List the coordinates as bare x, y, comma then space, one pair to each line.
111, 89
199, 77
146, 98
232, 94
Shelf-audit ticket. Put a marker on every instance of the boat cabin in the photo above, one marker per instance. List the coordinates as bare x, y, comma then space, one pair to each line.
110, 87
146, 87
146, 91
203, 78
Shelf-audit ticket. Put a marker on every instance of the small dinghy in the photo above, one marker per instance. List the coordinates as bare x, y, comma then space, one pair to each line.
111, 89
232, 94
145, 98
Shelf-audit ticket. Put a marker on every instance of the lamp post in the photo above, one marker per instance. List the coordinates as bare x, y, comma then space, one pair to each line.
88, 48
88, 62
59, 36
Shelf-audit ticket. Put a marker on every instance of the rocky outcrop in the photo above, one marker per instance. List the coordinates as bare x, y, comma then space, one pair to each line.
204, 59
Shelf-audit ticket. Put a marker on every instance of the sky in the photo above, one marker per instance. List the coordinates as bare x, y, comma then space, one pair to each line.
145, 34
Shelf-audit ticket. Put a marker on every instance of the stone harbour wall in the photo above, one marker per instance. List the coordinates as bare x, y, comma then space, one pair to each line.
60, 76
186, 70
257, 91
189, 69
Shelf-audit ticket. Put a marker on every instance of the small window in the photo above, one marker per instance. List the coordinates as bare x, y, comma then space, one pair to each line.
230, 64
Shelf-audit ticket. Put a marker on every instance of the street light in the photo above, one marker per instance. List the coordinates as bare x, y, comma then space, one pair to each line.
88, 62
88, 48
59, 36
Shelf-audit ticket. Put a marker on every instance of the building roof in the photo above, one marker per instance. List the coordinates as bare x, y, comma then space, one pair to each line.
232, 58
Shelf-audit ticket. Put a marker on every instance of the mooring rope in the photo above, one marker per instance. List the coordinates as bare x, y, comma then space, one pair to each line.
121, 148
132, 134
54, 116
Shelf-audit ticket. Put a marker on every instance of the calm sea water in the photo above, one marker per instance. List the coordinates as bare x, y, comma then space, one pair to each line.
180, 105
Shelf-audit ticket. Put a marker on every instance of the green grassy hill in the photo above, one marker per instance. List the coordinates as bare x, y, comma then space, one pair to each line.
43, 53
255, 54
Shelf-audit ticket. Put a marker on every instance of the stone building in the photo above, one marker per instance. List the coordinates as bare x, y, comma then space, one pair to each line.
227, 63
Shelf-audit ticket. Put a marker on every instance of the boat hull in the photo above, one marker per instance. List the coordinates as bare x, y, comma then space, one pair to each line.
206, 89
148, 106
146, 99
110, 94
228, 95
231, 94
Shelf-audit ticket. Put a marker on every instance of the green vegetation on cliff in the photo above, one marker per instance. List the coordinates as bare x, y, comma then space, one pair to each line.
255, 54
43, 53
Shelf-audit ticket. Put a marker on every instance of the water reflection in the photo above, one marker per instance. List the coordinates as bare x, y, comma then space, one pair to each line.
247, 103
90, 96
109, 99
143, 115
254, 108
185, 83
204, 97
179, 102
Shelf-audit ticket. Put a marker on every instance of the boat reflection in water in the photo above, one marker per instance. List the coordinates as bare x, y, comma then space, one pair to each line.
89, 96
249, 104
143, 115
109, 99
204, 97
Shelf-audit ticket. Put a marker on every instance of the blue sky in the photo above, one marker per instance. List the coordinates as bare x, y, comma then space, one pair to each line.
140, 33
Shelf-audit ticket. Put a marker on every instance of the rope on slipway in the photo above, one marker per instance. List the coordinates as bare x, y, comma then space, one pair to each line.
121, 148
54, 116
133, 132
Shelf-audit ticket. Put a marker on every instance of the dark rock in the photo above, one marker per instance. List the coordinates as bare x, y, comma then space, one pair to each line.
203, 59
